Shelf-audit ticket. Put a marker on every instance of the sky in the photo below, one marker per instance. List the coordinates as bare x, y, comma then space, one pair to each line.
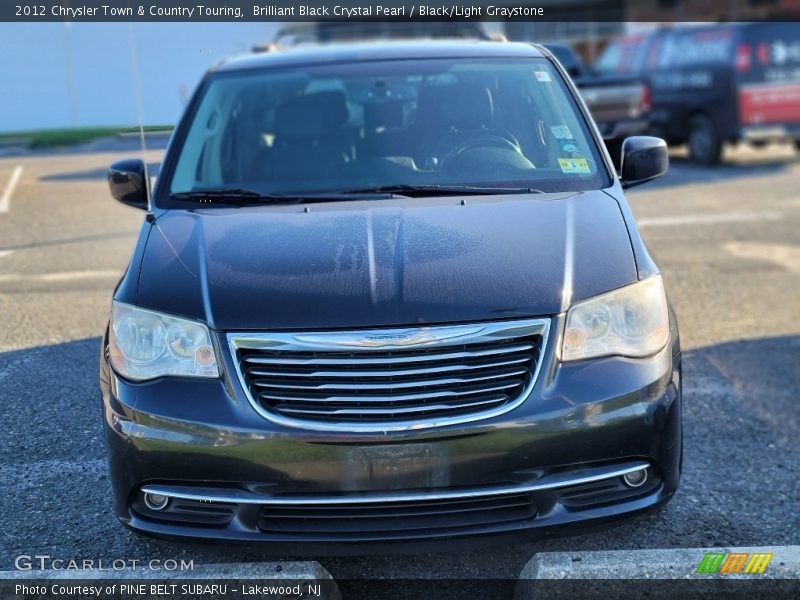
55, 75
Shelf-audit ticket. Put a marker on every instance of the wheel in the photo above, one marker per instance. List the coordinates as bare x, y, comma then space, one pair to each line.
797, 145
705, 145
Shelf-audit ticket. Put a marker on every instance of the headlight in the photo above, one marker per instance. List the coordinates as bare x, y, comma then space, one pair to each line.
144, 344
631, 321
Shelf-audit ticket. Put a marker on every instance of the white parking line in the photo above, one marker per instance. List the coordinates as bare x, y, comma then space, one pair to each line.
5, 199
783, 255
57, 277
5, 253
711, 218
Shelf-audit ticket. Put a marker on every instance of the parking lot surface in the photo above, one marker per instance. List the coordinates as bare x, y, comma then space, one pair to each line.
727, 239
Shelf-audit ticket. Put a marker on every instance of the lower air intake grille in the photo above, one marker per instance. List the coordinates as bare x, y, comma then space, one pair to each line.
399, 519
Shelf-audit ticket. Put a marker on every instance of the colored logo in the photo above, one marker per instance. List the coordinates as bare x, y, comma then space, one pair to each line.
727, 563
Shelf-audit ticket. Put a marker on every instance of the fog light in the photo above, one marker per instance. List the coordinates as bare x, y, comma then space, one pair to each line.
155, 501
635, 479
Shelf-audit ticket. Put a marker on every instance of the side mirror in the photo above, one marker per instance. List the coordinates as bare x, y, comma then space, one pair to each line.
129, 183
643, 158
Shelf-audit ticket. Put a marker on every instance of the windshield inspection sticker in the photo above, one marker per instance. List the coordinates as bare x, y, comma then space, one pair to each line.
561, 132
574, 165
569, 147
543, 76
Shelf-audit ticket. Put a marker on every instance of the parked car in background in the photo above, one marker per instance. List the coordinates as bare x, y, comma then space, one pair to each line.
620, 104
717, 83
389, 293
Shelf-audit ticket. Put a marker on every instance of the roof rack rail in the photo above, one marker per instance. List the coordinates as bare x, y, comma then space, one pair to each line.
323, 33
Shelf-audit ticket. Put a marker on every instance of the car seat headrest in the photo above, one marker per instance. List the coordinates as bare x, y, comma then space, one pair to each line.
311, 115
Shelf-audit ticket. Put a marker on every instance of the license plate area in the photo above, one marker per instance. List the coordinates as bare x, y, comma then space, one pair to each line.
395, 467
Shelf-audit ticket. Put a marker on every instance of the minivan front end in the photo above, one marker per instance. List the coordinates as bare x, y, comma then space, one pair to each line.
571, 445
388, 296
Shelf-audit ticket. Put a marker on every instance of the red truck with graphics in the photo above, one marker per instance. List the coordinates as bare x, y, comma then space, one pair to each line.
713, 84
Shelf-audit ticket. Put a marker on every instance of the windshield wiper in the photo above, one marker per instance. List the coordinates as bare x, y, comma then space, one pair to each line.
242, 196
228, 196
442, 190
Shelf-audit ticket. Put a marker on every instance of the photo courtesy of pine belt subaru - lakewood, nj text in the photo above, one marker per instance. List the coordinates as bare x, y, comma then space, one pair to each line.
389, 294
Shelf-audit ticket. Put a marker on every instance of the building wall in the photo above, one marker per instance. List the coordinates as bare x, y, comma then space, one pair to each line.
56, 75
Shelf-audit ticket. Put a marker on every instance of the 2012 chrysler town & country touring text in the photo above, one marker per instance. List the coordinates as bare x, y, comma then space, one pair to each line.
389, 293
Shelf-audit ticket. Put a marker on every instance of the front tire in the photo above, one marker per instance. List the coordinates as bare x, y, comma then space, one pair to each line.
705, 145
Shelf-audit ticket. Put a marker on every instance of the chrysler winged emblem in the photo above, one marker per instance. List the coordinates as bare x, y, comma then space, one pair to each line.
402, 338
389, 337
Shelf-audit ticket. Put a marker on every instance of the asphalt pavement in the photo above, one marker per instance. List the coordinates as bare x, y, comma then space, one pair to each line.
727, 239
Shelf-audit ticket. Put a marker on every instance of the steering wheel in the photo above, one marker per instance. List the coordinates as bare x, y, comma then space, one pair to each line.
487, 141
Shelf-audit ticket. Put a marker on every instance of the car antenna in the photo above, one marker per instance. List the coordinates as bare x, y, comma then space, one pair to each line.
137, 94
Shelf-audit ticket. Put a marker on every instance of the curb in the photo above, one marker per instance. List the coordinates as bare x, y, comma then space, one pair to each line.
630, 573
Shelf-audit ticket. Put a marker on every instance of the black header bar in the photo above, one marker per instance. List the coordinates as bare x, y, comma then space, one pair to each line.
396, 10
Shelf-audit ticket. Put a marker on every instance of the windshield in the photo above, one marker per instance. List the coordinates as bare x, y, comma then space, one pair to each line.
336, 128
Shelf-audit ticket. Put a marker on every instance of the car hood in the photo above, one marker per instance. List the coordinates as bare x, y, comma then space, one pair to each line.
385, 262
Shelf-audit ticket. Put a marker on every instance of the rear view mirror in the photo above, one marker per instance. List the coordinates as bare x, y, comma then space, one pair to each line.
643, 158
129, 184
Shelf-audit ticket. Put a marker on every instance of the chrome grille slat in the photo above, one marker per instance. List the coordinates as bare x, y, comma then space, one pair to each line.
387, 385
390, 379
382, 411
396, 373
367, 360
394, 397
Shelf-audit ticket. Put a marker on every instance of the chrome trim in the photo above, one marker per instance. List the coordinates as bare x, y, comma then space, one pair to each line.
398, 373
380, 411
415, 396
764, 132
548, 482
367, 340
388, 361
400, 385
148, 501
639, 484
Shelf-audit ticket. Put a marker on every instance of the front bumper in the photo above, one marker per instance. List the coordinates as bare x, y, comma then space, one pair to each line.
771, 133
553, 464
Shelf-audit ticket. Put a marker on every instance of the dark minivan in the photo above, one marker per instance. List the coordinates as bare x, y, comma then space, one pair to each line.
716, 83
391, 294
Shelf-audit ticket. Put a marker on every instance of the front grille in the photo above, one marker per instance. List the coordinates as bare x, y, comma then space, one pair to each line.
399, 519
442, 373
